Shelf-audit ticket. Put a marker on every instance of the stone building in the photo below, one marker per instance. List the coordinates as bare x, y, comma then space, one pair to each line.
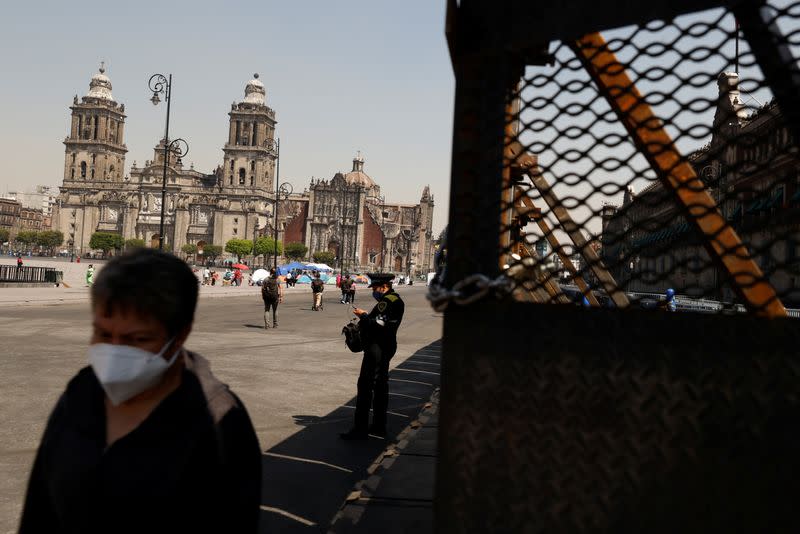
346, 215
42, 197
750, 168
234, 201
9, 213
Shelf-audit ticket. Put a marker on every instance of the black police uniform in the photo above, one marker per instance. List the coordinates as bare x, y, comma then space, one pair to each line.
379, 335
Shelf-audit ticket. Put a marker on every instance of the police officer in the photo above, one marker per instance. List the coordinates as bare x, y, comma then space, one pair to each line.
379, 335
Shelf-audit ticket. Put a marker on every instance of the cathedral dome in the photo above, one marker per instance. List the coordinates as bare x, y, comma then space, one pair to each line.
357, 176
100, 86
254, 92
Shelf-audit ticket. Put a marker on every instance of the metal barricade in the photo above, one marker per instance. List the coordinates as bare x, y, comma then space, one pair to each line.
624, 151
28, 275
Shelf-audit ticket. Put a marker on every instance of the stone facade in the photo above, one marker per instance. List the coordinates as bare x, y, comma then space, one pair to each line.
750, 169
348, 217
234, 201
345, 215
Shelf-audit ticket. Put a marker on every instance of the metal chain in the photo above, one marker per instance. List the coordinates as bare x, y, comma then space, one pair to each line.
471, 289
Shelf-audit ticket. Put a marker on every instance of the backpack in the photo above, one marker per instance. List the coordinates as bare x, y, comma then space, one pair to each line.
269, 289
352, 336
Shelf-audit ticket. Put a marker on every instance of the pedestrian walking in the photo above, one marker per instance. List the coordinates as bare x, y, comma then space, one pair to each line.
146, 426
206, 276
272, 294
351, 291
340, 283
288, 279
317, 287
347, 287
90, 275
378, 330
19, 261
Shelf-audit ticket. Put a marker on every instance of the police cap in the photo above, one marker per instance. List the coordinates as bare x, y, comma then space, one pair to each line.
378, 279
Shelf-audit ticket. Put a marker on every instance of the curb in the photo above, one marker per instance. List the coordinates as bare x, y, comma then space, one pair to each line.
357, 501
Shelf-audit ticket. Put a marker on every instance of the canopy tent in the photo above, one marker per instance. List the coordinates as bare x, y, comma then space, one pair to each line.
330, 281
304, 279
284, 269
260, 275
318, 267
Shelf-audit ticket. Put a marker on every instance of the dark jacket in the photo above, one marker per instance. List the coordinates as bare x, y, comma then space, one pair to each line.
194, 465
317, 285
380, 325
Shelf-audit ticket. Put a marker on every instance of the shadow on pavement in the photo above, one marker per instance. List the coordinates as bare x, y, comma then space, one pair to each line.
308, 476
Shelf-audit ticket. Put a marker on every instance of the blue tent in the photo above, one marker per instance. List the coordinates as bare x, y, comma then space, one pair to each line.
284, 269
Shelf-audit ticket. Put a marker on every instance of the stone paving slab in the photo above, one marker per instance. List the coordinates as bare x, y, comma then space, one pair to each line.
400, 517
423, 442
398, 495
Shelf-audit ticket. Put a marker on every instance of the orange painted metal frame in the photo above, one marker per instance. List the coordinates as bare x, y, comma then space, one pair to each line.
677, 175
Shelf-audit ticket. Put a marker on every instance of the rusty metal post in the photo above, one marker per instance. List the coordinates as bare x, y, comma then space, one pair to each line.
528, 164
537, 216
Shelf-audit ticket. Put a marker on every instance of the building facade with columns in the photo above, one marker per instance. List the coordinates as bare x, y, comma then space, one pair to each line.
348, 216
345, 215
234, 201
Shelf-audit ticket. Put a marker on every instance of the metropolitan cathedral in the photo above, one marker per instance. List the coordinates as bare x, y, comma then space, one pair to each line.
345, 215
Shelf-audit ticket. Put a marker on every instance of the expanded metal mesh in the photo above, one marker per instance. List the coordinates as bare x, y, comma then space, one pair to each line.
589, 219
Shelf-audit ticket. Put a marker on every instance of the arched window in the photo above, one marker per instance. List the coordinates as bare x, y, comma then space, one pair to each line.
231, 165
111, 172
72, 172
92, 174
252, 166
252, 181
83, 169
231, 180
241, 176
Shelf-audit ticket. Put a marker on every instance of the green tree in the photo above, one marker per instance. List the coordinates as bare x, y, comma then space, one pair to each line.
26, 238
49, 239
189, 249
134, 243
296, 251
324, 256
239, 247
265, 246
106, 241
212, 251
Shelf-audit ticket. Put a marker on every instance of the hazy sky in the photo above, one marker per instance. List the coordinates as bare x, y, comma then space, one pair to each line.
342, 76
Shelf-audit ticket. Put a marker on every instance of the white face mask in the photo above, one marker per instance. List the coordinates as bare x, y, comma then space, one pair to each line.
126, 371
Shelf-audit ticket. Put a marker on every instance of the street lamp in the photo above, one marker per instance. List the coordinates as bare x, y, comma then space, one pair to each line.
284, 190
160, 84
382, 198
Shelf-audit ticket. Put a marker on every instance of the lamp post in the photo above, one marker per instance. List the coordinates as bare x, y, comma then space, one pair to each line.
160, 84
382, 198
273, 147
255, 238
284, 190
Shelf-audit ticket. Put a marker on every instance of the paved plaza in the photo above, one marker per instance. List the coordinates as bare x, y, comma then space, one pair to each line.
297, 381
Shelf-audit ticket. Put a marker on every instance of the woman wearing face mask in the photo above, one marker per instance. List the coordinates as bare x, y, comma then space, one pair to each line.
145, 438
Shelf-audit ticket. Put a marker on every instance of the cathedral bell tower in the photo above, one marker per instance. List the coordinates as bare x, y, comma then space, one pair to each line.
249, 153
95, 150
